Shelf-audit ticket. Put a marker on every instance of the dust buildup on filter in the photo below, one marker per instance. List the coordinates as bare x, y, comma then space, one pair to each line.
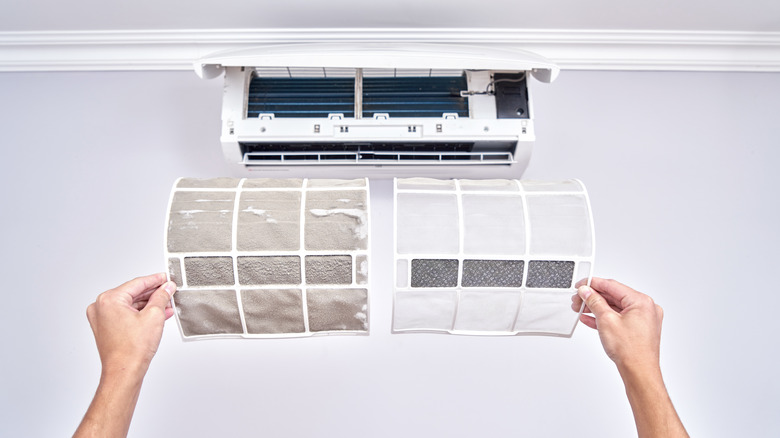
336, 220
329, 269
209, 271
337, 309
264, 270
208, 312
201, 221
269, 221
273, 311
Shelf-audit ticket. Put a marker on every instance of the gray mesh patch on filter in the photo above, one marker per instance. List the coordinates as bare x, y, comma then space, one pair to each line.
434, 273
329, 269
493, 273
269, 270
209, 271
550, 274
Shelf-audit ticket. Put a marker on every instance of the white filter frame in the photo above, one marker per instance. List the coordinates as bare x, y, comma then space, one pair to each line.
301, 252
526, 257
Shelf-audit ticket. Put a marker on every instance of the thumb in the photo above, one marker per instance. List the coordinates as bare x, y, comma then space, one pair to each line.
162, 296
595, 302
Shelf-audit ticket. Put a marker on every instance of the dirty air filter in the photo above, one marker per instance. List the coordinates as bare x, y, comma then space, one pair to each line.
260, 258
495, 257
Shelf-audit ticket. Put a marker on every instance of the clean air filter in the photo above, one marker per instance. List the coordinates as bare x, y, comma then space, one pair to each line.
264, 258
491, 257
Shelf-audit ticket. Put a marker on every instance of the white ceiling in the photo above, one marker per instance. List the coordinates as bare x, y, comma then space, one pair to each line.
667, 15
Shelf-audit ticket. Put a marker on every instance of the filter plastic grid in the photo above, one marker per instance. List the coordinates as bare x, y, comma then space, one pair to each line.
485, 272
282, 272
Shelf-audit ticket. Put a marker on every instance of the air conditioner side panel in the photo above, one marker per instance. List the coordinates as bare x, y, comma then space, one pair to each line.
234, 105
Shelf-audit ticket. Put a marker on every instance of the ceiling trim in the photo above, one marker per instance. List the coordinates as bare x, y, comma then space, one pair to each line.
570, 49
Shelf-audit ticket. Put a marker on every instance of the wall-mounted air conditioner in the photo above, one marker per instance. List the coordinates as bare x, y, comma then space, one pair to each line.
398, 109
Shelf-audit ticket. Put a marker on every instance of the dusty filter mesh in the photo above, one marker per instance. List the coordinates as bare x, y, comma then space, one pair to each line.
496, 257
259, 258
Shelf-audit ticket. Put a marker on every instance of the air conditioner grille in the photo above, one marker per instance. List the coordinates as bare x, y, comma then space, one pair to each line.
395, 96
301, 97
415, 96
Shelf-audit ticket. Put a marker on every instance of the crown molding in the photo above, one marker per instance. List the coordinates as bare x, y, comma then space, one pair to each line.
570, 49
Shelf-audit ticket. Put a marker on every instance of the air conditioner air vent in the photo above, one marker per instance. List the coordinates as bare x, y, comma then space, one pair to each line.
371, 153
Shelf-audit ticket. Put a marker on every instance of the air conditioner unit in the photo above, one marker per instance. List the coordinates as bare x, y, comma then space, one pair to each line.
398, 109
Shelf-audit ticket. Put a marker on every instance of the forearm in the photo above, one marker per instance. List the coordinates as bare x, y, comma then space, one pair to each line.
112, 408
654, 413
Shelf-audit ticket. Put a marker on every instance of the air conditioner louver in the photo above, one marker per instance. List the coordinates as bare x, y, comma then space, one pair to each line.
291, 154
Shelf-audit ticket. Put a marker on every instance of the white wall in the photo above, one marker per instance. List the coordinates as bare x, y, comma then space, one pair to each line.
680, 169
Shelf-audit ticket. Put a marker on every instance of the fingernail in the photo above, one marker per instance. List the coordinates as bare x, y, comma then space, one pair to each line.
584, 292
170, 287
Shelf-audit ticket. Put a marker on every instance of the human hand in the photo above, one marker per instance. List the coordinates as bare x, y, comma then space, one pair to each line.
628, 322
127, 322
629, 325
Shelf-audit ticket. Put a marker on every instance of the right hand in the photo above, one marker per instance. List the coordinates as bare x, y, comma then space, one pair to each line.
628, 322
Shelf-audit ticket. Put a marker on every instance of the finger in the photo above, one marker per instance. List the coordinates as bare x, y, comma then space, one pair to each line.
597, 304
144, 296
139, 286
138, 305
168, 312
162, 296
612, 302
577, 301
613, 291
588, 321
576, 304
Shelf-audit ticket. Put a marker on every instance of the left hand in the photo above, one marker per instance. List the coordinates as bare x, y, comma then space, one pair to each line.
127, 322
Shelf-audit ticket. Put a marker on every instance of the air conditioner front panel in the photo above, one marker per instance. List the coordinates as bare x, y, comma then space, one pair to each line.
390, 56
